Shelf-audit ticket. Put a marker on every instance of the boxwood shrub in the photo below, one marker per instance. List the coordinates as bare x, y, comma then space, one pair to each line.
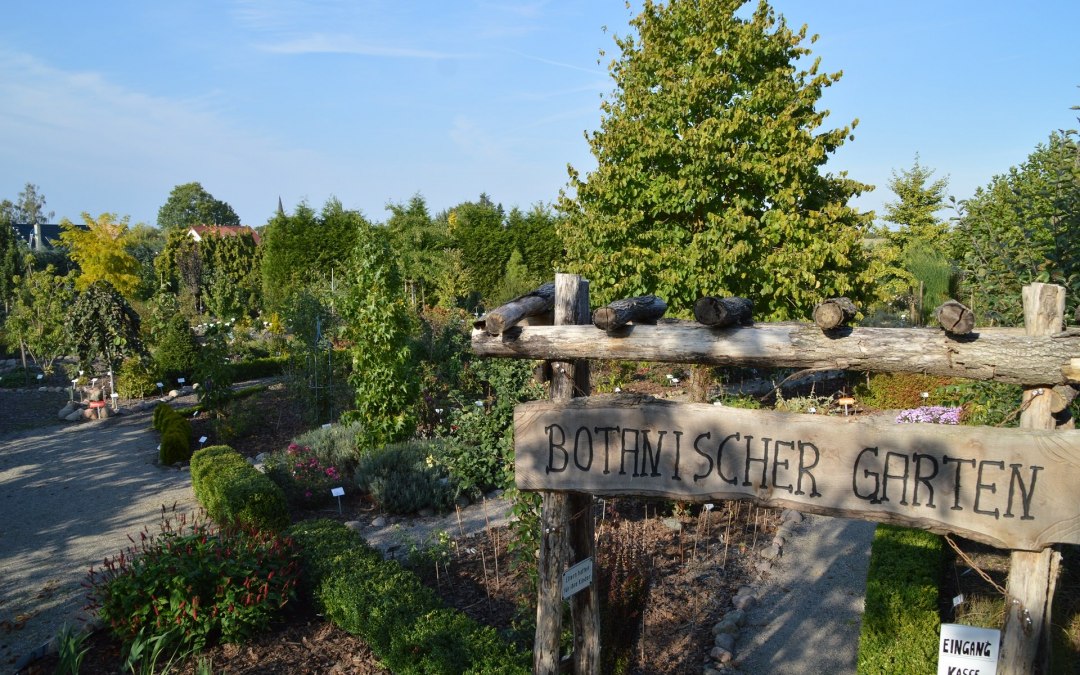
175, 435
235, 493
254, 369
404, 622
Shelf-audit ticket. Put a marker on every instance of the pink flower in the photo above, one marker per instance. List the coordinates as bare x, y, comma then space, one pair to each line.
308, 493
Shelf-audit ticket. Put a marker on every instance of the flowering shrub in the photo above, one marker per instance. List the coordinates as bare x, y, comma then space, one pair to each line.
303, 477
194, 583
934, 414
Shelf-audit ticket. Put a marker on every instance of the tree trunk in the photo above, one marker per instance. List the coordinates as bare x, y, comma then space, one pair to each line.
1025, 640
955, 318
1001, 355
504, 317
724, 312
645, 309
834, 313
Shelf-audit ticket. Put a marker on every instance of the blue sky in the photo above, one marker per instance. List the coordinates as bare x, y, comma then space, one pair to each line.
107, 106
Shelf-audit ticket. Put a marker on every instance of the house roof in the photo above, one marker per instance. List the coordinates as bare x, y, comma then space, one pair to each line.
50, 232
198, 232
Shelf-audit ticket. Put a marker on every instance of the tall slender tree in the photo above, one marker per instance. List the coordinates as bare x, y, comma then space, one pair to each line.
710, 168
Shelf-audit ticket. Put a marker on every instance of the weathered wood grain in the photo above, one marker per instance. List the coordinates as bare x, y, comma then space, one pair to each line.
1001, 355
724, 312
955, 318
504, 317
1006, 487
642, 309
834, 313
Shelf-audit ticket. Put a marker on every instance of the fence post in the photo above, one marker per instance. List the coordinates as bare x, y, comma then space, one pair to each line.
561, 515
1025, 639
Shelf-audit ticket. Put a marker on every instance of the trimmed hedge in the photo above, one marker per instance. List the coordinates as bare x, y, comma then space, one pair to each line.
254, 369
901, 623
403, 622
234, 492
175, 435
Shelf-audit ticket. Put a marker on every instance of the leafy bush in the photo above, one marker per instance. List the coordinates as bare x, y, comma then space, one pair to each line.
239, 418
257, 368
984, 403
901, 622
135, 379
898, 390
334, 445
402, 621
234, 493
301, 476
404, 478
175, 435
194, 584
174, 350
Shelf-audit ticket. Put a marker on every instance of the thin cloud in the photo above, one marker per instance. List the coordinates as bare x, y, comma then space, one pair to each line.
319, 43
558, 64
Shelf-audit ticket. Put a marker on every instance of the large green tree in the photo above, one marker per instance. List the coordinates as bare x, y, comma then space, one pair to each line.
11, 254
102, 325
418, 241
37, 323
1022, 227
190, 204
709, 176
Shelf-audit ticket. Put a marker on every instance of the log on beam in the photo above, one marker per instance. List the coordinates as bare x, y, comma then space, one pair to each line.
1001, 355
645, 309
955, 318
724, 312
834, 313
504, 317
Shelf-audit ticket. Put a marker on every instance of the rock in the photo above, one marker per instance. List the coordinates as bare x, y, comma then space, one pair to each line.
743, 602
779, 541
74, 416
710, 671
672, 523
89, 413
770, 553
173, 393
66, 410
379, 522
354, 525
725, 626
745, 590
785, 531
104, 413
260, 458
791, 516
426, 512
462, 501
725, 641
736, 616
720, 654
494, 494
763, 566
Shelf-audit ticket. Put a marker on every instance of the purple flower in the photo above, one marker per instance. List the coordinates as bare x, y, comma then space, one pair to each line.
934, 414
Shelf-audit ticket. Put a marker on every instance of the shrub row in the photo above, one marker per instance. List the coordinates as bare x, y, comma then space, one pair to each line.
404, 622
253, 369
234, 493
175, 435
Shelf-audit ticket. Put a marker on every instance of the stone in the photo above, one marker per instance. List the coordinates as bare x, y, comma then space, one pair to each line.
260, 458
745, 590
710, 671
89, 413
763, 566
104, 413
75, 416
736, 616
173, 393
743, 602
66, 410
785, 530
725, 641
379, 522
720, 654
725, 626
672, 523
354, 525
462, 501
779, 541
770, 553
792, 516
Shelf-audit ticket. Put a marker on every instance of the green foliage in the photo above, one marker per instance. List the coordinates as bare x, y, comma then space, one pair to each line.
933, 281
103, 326
234, 493
742, 401
193, 584
190, 204
984, 403
389, 608
71, 649
623, 578
479, 449
418, 241
174, 349
38, 317
381, 327
709, 177
212, 371
915, 212
12, 251
477, 232
900, 624
1021, 228
175, 435
101, 254
898, 390
405, 477
304, 246
257, 368
334, 445
305, 480
145, 243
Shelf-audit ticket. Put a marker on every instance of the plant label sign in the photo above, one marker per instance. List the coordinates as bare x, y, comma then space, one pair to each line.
1009, 488
578, 577
966, 650
337, 492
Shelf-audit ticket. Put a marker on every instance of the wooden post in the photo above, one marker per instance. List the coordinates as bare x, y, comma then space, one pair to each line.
566, 520
1025, 639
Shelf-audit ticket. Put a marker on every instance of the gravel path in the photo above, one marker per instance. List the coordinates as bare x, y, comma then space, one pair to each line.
810, 610
69, 496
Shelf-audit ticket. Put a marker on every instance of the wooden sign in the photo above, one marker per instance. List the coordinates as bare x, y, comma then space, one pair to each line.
1010, 488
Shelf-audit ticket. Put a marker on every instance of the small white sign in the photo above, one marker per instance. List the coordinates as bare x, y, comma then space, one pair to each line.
160, 385
967, 650
337, 492
958, 600
327, 425
202, 439
181, 380
115, 395
576, 578
40, 376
